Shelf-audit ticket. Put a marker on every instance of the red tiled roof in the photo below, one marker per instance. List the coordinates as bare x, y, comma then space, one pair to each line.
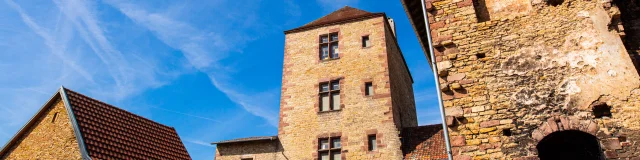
112, 133
344, 14
424, 142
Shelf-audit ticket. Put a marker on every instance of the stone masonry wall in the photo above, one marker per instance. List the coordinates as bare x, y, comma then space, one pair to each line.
48, 139
510, 81
257, 150
300, 122
401, 84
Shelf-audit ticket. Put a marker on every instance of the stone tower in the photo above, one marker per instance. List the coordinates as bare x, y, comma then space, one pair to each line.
536, 79
345, 83
346, 94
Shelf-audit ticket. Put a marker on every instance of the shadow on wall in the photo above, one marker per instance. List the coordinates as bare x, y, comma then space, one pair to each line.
570, 144
628, 25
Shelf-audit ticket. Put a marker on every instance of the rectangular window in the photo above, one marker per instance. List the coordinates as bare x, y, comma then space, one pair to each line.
371, 140
365, 41
330, 148
329, 48
368, 89
55, 115
329, 96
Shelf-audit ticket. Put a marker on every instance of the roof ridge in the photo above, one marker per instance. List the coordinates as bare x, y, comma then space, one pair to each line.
342, 15
343, 8
118, 108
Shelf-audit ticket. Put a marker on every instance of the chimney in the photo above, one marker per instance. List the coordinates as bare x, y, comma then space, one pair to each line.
392, 25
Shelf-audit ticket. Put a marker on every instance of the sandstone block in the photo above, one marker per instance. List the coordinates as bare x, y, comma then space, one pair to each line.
456, 77
612, 144
490, 123
457, 141
454, 111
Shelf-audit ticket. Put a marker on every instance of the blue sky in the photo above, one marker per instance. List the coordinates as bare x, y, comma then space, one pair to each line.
211, 69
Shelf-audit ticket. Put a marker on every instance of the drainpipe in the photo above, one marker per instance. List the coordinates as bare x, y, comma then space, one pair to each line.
434, 67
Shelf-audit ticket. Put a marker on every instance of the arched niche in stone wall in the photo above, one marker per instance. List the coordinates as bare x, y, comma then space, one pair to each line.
570, 144
568, 137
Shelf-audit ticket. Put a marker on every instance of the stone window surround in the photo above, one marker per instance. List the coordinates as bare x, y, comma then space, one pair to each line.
340, 45
343, 142
363, 88
379, 144
370, 40
342, 95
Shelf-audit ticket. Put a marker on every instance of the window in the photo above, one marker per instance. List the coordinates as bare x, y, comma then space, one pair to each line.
329, 149
371, 140
329, 46
330, 96
365, 41
368, 89
55, 115
246, 159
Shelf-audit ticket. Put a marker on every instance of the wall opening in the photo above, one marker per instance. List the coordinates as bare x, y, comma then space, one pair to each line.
480, 55
555, 2
628, 26
570, 144
482, 13
601, 109
55, 115
506, 132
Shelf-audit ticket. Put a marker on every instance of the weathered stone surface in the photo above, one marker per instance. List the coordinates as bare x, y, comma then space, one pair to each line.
612, 144
49, 138
458, 141
539, 79
454, 111
490, 123
455, 77
455, 86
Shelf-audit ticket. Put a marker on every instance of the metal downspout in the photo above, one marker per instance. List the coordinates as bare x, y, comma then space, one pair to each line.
434, 67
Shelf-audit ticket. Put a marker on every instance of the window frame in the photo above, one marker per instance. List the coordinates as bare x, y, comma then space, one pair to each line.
372, 147
329, 44
368, 41
331, 148
369, 92
331, 91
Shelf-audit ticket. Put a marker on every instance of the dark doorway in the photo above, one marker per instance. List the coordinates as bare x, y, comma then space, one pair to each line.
569, 145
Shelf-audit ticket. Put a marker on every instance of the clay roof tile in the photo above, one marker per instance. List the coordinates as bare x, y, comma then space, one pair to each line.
112, 133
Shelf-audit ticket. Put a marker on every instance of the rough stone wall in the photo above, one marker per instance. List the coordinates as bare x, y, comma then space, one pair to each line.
47, 139
257, 150
533, 74
627, 23
300, 123
401, 84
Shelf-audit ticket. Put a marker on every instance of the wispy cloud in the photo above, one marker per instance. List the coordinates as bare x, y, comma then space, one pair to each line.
53, 45
198, 142
204, 50
188, 115
64, 43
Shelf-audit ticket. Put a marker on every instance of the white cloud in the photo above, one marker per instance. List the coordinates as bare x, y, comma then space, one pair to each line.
204, 51
64, 43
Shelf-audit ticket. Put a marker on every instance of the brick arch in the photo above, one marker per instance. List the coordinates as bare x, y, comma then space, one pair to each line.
561, 123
